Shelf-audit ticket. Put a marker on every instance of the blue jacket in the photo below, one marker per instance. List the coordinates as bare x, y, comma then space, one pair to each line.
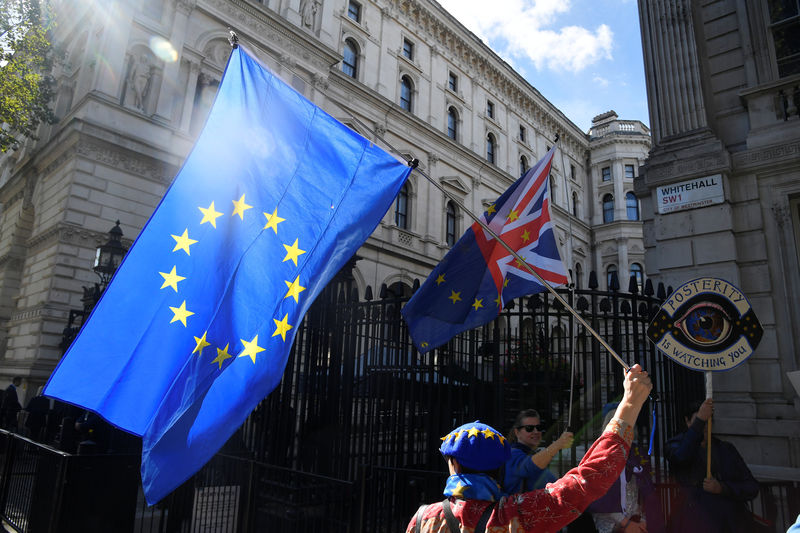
521, 474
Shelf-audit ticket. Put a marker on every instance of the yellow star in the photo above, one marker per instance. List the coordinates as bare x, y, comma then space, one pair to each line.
440, 279
273, 220
210, 215
473, 432
180, 313
292, 252
488, 433
454, 296
491, 209
478, 303
424, 344
239, 207
505, 282
251, 349
281, 327
502, 438
498, 301
171, 279
526, 236
183, 242
512, 216
201, 344
294, 288
460, 489
222, 355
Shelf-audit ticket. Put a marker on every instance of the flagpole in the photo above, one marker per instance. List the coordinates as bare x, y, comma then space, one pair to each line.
414, 163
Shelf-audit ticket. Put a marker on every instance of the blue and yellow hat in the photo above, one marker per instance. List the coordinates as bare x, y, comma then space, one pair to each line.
476, 446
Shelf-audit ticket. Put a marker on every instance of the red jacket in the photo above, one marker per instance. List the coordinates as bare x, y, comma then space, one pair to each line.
544, 510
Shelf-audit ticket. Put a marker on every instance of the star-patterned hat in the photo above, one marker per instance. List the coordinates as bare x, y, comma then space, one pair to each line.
476, 446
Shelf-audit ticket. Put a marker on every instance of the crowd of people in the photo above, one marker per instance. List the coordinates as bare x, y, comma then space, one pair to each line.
499, 483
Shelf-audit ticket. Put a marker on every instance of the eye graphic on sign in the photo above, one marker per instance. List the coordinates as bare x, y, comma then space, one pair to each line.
705, 323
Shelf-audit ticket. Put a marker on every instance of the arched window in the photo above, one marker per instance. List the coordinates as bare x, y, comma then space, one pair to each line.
401, 208
350, 58
608, 208
491, 148
578, 276
523, 165
406, 93
632, 206
636, 271
612, 270
452, 123
574, 203
450, 225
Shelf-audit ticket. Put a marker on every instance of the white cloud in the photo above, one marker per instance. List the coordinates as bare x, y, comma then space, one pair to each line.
601, 81
527, 29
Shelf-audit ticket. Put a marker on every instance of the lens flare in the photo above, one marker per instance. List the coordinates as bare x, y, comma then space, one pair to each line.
163, 49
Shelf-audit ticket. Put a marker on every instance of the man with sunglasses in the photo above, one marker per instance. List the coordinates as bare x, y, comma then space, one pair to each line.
476, 454
527, 467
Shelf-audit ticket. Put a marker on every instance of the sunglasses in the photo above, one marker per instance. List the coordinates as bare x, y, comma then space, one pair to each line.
530, 428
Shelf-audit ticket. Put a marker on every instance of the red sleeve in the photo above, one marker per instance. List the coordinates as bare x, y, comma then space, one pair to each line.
561, 502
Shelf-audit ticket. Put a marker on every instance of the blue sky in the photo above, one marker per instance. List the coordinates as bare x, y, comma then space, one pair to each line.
584, 56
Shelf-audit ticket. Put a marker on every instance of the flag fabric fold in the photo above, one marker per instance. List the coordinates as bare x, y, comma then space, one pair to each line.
470, 286
196, 326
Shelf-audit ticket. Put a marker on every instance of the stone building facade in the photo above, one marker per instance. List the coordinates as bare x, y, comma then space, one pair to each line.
139, 79
722, 79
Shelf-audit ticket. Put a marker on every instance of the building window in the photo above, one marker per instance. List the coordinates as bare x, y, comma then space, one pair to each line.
354, 11
606, 173
350, 58
408, 49
406, 93
636, 272
522, 133
523, 165
452, 123
401, 208
491, 148
632, 206
574, 203
629, 172
452, 82
572, 172
450, 225
490, 109
785, 18
608, 208
611, 273
578, 275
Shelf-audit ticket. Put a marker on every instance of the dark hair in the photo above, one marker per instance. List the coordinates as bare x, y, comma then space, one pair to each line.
525, 413
691, 408
17, 380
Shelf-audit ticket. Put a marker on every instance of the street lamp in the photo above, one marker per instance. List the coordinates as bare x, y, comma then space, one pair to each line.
109, 255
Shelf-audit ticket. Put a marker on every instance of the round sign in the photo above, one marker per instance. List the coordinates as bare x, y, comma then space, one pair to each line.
706, 324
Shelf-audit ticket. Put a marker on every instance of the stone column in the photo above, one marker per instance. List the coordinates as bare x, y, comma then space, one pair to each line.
168, 97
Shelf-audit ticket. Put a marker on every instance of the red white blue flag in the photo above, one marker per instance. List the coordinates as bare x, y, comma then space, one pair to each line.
479, 275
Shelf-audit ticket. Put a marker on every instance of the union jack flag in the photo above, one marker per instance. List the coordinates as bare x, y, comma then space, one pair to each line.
479, 275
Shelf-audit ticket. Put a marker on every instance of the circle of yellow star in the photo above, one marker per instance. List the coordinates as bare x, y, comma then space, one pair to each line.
282, 326
251, 349
201, 344
440, 279
478, 303
473, 432
210, 215
171, 279
239, 207
294, 288
273, 220
454, 296
293, 252
180, 314
222, 355
183, 242
488, 433
491, 209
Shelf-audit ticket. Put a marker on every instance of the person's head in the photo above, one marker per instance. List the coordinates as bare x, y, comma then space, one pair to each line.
17, 381
690, 411
527, 428
475, 448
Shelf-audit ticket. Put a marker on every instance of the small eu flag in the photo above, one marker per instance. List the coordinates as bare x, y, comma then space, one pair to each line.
478, 275
196, 327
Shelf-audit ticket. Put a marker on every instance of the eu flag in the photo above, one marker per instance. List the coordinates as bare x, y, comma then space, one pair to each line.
478, 275
196, 327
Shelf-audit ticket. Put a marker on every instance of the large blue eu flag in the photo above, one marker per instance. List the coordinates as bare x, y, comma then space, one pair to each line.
478, 275
196, 327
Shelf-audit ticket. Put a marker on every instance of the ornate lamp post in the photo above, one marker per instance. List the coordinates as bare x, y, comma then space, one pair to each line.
109, 255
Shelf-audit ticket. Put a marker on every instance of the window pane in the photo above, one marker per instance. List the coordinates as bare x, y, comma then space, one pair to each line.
408, 49
523, 165
405, 94
354, 11
401, 209
350, 61
636, 271
787, 47
452, 82
490, 109
608, 208
522, 133
629, 171
612, 270
632, 206
450, 231
452, 123
490, 148
606, 173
